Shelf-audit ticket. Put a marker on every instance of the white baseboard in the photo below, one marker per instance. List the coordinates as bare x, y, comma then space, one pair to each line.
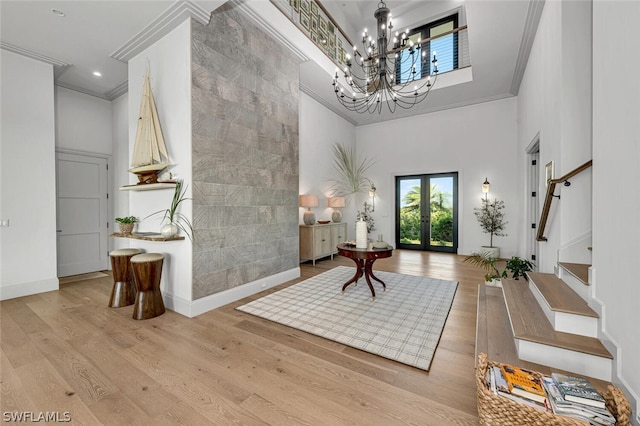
200, 306
27, 289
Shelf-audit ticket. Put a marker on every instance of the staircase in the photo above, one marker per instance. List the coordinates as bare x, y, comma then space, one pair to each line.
544, 321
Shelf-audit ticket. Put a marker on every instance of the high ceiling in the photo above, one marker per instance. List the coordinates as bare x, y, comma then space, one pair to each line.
95, 36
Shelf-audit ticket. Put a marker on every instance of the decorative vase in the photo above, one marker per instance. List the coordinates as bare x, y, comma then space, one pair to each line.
169, 230
336, 216
362, 240
126, 228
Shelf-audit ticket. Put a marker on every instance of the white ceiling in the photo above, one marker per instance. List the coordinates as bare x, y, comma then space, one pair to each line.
93, 33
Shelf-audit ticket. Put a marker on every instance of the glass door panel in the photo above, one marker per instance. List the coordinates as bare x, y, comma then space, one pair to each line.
426, 212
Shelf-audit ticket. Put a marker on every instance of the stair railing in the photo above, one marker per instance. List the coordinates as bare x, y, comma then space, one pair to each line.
551, 187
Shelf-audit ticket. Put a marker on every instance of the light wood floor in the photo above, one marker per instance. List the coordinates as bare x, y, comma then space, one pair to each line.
65, 351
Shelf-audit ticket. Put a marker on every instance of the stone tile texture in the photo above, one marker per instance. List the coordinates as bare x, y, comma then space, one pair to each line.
245, 153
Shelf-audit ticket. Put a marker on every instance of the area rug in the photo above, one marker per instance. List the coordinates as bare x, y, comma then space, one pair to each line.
403, 323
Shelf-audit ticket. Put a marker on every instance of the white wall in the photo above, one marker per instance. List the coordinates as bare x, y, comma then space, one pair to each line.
539, 111
616, 201
83, 122
169, 63
27, 177
319, 130
120, 163
476, 141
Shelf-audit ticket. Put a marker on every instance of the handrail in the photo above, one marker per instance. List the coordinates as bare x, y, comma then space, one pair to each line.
551, 187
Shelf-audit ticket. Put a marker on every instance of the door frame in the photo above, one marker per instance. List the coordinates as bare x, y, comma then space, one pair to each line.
426, 246
109, 212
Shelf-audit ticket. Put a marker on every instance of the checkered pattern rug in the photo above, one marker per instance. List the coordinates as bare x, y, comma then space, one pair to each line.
403, 323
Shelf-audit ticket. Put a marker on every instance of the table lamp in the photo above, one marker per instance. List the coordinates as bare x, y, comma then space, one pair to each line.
336, 203
308, 201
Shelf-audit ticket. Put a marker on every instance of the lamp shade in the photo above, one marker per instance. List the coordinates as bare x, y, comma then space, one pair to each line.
308, 200
336, 202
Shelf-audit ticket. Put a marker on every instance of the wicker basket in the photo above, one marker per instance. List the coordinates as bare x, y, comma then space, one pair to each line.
496, 410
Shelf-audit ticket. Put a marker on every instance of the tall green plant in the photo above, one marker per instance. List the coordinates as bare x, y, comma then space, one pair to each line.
350, 178
172, 213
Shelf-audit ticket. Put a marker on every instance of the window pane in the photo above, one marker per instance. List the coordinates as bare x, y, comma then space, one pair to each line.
444, 47
410, 211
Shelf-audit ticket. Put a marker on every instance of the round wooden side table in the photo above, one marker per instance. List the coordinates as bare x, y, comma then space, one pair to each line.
124, 288
147, 272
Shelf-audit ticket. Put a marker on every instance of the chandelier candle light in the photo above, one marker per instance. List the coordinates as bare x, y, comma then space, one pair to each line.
391, 73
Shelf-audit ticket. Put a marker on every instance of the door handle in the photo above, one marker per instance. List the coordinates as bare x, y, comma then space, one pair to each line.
59, 230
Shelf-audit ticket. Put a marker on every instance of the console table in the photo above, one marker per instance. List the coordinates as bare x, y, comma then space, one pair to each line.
318, 241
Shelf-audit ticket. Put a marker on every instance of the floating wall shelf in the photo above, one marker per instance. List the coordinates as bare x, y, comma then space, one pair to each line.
148, 186
148, 236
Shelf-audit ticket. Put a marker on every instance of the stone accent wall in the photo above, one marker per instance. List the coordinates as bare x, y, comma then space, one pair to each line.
245, 153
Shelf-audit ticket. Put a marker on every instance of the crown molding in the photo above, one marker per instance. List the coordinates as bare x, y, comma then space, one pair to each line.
528, 36
34, 55
161, 26
118, 91
81, 90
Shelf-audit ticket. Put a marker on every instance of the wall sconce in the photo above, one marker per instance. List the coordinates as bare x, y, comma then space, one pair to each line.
308, 201
485, 187
372, 194
336, 203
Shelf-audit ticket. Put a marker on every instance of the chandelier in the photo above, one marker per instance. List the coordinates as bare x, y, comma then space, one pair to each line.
386, 74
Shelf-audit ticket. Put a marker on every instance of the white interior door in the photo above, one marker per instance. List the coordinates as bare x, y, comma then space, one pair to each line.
82, 214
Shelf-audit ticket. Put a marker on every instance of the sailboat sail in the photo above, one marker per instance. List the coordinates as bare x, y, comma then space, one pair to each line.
149, 150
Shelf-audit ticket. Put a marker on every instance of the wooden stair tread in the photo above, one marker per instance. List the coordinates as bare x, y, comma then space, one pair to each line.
578, 270
559, 296
493, 332
529, 323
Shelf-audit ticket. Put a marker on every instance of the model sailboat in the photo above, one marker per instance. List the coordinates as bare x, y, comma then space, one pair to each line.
149, 151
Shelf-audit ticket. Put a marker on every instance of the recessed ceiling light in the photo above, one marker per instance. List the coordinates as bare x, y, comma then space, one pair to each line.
57, 12
97, 73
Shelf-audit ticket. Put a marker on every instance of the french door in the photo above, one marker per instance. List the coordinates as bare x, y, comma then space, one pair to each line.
427, 212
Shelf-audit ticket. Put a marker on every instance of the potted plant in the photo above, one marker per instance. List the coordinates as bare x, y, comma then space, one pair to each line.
351, 177
518, 266
488, 263
491, 219
126, 224
176, 220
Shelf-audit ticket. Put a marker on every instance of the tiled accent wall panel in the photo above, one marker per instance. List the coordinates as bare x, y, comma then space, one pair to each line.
245, 153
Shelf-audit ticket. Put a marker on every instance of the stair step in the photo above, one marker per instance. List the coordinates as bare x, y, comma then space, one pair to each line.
493, 332
578, 270
495, 338
528, 322
559, 296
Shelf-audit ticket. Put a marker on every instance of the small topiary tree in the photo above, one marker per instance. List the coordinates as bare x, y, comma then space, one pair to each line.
491, 218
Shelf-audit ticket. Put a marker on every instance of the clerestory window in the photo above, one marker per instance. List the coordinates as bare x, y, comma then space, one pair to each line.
446, 48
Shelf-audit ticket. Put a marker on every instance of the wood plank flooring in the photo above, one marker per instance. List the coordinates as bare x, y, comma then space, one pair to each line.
66, 351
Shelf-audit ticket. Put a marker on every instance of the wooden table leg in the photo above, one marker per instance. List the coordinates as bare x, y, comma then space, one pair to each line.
359, 269
374, 277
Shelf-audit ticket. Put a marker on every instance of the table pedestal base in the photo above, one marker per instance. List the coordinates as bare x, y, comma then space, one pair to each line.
365, 267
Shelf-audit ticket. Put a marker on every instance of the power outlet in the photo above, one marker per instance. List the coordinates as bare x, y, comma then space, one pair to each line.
4, 223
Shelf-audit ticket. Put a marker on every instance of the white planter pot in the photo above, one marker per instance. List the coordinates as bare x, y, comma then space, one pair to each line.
496, 282
493, 252
169, 230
